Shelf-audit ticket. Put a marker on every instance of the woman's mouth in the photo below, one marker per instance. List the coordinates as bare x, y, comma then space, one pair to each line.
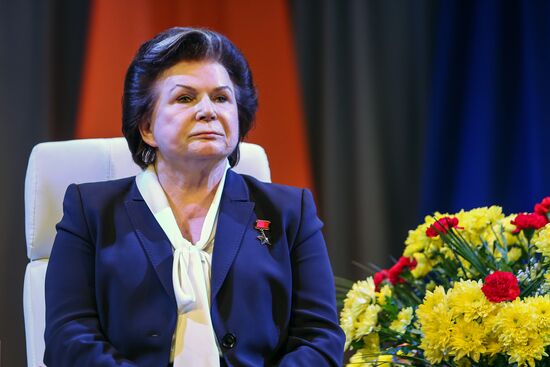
206, 135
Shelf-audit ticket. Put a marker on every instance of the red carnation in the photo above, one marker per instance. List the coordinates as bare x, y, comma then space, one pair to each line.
501, 286
442, 225
379, 277
543, 208
396, 270
393, 274
405, 262
528, 221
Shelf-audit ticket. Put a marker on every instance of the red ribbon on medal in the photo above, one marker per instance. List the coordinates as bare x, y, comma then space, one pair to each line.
262, 225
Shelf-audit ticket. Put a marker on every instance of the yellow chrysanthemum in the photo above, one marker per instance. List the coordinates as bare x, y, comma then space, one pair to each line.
526, 353
515, 321
423, 265
508, 231
503, 236
385, 292
433, 301
541, 308
367, 321
347, 323
417, 241
478, 224
502, 232
468, 340
368, 355
403, 320
541, 240
357, 318
518, 332
492, 345
435, 322
360, 295
371, 343
433, 352
467, 300
431, 286
447, 253
514, 254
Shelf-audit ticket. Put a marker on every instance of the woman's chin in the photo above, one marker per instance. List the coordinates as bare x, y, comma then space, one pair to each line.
209, 153
210, 149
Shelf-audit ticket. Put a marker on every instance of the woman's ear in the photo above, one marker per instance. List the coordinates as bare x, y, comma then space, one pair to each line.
146, 131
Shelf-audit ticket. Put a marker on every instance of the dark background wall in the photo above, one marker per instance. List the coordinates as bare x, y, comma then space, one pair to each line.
409, 107
22, 111
365, 68
414, 107
40, 59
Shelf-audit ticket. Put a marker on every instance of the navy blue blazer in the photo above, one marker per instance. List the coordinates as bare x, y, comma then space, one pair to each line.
109, 293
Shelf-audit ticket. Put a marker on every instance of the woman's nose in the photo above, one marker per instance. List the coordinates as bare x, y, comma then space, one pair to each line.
206, 111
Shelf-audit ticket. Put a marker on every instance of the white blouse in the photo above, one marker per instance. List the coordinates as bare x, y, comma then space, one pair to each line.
194, 342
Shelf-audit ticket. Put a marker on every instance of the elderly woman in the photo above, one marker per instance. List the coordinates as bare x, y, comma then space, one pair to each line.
189, 263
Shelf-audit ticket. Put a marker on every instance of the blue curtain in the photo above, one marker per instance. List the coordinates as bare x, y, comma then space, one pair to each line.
488, 131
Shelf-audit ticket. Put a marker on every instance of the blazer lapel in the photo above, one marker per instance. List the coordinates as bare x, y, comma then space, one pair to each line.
233, 220
152, 238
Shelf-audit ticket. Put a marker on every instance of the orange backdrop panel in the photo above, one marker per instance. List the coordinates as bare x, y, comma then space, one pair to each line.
261, 29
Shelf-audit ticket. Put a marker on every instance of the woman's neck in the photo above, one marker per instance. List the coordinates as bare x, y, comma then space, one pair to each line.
190, 179
190, 192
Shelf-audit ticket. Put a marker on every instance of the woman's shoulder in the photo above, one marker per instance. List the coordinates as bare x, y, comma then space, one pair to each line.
102, 191
272, 189
283, 198
116, 185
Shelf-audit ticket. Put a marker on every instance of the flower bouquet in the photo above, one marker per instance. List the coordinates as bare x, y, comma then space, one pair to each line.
471, 289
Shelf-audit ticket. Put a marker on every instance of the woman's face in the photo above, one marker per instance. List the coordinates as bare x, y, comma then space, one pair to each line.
195, 115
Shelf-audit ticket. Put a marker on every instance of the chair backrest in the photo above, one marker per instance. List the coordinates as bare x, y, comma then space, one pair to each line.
52, 167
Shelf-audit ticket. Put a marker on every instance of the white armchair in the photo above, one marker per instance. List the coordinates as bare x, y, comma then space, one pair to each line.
52, 167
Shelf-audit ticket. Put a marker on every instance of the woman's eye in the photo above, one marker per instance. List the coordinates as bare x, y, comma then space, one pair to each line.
185, 99
221, 99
